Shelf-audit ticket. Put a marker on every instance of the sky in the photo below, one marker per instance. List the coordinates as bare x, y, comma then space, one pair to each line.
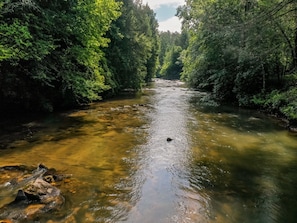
165, 13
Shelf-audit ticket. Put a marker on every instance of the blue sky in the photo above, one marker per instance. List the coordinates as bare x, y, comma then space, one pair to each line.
165, 12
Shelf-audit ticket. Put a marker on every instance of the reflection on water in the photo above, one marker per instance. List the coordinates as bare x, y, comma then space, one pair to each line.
163, 159
223, 165
99, 146
244, 165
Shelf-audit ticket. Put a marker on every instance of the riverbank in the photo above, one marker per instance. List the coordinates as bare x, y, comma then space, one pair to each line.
23, 126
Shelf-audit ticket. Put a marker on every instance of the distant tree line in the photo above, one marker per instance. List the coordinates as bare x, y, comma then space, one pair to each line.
243, 51
58, 53
171, 47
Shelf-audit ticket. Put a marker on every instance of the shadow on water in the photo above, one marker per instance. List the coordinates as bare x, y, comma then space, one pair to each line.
246, 187
244, 165
98, 145
60, 127
243, 120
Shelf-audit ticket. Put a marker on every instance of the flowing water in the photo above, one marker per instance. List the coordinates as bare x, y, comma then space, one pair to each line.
223, 164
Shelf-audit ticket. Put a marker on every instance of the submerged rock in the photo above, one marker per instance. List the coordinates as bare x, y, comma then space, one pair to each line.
34, 195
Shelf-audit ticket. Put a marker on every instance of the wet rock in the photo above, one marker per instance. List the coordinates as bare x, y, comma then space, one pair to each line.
34, 209
169, 139
49, 179
292, 129
34, 195
14, 167
21, 196
40, 191
41, 166
51, 176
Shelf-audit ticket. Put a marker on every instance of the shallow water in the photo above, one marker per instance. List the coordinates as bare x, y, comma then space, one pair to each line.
223, 164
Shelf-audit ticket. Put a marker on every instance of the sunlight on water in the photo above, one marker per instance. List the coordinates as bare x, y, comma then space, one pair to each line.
223, 165
99, 147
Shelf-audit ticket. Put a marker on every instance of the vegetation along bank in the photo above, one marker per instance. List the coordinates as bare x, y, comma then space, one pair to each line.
59, 54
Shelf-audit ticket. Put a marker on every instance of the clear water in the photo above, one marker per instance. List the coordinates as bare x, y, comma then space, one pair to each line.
223, 164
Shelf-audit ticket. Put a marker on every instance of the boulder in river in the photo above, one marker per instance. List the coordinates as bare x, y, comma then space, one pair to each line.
34, 194
169, 139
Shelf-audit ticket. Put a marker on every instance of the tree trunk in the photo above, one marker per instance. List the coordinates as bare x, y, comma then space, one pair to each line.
295, 50
263, 79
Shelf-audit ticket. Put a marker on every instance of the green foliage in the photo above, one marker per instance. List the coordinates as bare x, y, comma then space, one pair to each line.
240, 49
172, 66
15, 40
132, 53
51, 51
171, 49
167, 41
284, 103
291, 80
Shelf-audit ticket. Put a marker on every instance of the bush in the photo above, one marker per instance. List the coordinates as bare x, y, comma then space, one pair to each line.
282, 103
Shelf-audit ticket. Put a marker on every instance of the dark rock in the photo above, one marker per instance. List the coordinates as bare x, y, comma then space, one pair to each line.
49, 178
292, 129
52, 176
169, 139
21, 196
16, 167
41, 166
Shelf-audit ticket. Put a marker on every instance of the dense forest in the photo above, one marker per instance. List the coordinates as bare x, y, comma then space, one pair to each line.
170, 60
243, 51
57, 54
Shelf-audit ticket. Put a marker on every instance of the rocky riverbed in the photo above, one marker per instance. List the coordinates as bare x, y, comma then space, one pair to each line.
27, 192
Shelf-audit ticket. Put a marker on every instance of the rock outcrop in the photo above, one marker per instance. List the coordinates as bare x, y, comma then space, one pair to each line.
35, 194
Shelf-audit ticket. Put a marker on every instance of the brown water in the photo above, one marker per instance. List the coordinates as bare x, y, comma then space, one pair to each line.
223, 164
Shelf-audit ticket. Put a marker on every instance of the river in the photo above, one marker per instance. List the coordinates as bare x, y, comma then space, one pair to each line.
222, 164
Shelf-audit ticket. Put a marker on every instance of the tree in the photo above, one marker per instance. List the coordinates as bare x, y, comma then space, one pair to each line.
171, 48
132, 54
241, 51
230, 49
51, 51
172, 66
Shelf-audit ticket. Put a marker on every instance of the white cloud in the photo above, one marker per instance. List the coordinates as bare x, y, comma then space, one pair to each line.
173, 25
154, 4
